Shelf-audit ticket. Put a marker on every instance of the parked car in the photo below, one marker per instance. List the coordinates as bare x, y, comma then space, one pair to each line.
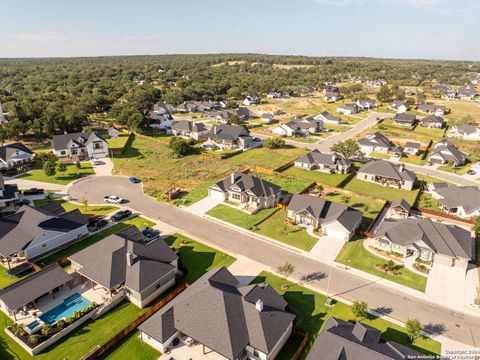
97, 225
471, 172
120, 215
33, 191
93, 219
257, 139
113, 199
150, 233
133, 180
95, 161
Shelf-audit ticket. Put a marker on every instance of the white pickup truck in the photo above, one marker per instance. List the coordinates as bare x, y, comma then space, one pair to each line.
113, 199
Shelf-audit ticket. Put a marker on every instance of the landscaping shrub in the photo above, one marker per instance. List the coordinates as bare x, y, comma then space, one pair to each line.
34, 339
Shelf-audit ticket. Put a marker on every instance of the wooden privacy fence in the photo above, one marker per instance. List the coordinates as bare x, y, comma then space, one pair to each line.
101, 349
442, 215
301, 347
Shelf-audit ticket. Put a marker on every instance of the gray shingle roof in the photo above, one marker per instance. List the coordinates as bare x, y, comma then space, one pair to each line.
433, 119
326, 211
401, 203
216, 313
228, 132
405, 118
448, 152
412, 145
61, 142
32, 287
249, 183
454, 196
441, 238
188, 126
6, 151
105, 262
376, 139
317, 157
342, 340
466, 129
387, 169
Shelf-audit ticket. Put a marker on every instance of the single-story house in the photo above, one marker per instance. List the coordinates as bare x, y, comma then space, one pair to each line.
299, 127
330, 218
190, 129
399, 106
14, 155
128, 261
221, 116
376, 142
332, 96
35, 232
463, 201
228, 137
465, 132
79, 146
348, 109
267, 118
249, 322
160, 121
113, 132
242, 113
252, 100
433, 121
412, 147
277, 94
330, 163
402, 119
399, 209
8, 193
432, 109
366, 104
385, 173
328, 118
163, 108
343, 340
467, 93
445, 152
449, 245
247, 191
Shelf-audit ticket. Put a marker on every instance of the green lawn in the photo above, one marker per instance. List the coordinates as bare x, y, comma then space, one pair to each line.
197, 194
117, 144
381, 155
275, 228
355, 255
132, 348
239, 218
196, 257
86, 210
289, 185
317, 176
6, 279
314, 314
387, 193
139, 222
461, 170
62, 178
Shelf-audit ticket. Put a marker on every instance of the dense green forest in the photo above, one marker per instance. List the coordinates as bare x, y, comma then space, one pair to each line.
48, 96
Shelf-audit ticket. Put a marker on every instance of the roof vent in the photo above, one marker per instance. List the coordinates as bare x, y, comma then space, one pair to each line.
259, 305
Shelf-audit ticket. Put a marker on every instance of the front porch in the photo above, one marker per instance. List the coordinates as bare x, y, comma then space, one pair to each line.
387, 182
187, 348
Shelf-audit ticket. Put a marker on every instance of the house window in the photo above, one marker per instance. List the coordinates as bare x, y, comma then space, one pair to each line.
73, 151
63, 152
44, 245
97, 145
236, 196
366, 177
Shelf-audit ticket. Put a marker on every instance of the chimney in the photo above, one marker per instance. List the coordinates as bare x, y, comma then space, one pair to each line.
402, 167
130, 259
259, 305
232, 177
215, 130
334, 157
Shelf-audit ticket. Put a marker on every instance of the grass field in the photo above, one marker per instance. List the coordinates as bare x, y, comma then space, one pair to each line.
154, 163
62, 178
314, 314
289, 185
132, 348
275, 228
117, 144
317, 176
239, 218
355, 255
196, 257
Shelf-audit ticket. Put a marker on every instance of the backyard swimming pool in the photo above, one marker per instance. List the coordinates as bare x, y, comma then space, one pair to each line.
71, 304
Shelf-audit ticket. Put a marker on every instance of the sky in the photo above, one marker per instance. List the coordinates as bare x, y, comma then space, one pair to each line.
420, 29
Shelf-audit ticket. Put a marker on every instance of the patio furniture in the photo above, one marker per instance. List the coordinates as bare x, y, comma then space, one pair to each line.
189, 341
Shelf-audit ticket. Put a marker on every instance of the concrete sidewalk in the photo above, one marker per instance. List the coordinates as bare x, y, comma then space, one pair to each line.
28, 184
245, 269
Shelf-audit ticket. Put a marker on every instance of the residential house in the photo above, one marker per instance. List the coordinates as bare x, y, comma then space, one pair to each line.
467, 93
251, 100
277, 94
229, 137
430, 241
15, 155
404, 119
366, 104
113, 132
398, 151
433, 109
445, 152
463, 201
299, 127
343, 340
399, 106
348, 109
332, 96
160, 121
399, 209
378, 82
328, 118
79, 146
331, 89
385, 173
8, 193
331, 219
267, 118
190, 129
248, 192
433, 121
449, 94
376, 142
128, 262
412, 148
228, 321
465, 132
221, 116
35, 232
243, 113
330, 163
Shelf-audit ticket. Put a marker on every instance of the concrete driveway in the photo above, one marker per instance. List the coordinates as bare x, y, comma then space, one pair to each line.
326, 249
104, 168
447, 285
203, 206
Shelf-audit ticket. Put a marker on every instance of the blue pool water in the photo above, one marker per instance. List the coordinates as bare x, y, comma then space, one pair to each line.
33, 325
71, 304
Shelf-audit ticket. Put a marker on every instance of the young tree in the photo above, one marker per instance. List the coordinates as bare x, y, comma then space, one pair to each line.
49, 168
274, 143
61, 167
347, 148
360, 310
84, 203
180, 147
414, 329
285, 271
384, 94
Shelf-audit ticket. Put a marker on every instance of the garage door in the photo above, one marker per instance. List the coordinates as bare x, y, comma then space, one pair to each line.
336, 233
435, 160
218, 195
